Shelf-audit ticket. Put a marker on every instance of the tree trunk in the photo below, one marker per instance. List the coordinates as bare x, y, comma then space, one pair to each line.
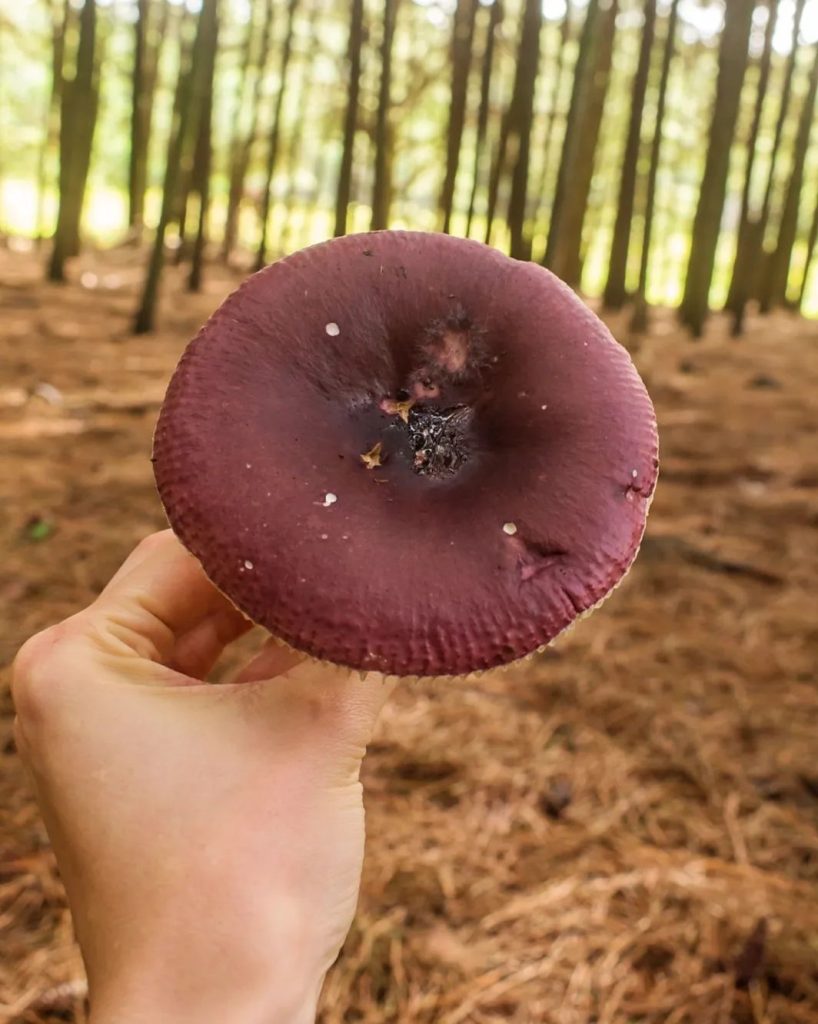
303, 102
783, 113
778, 273
243, 151
812, 240
522, 112
59, 28
565, 34
754, 256
497, 165
461, 57
148, 40
616, 289
155, 50
733, 58
182, 204
495, 18
137, 169
564, 249
183, 125
80, 99
738, 293
586, 57
247, 64
640, 309
190, 147
275, 135
203, 159
42, 169
354, 48
382, 184
245, 71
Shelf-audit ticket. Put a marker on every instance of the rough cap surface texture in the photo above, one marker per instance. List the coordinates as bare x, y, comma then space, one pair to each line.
409, 453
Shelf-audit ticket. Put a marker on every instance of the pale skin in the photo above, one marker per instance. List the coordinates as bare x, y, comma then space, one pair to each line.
210, 837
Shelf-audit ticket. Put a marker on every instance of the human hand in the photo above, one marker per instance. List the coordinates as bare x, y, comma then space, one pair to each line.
210, 837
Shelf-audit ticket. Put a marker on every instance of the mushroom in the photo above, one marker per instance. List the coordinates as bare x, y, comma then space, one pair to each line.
433, 457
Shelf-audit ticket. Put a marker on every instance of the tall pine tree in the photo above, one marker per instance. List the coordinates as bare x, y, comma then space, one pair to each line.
733, 58
639, 321
78, 118
382, 184
563, 253
354, 50
616, 291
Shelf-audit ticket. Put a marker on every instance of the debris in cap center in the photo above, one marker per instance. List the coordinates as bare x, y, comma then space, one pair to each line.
510, 528
332, 329
395, 408
373, 458
329, 499
440, 439
248, 564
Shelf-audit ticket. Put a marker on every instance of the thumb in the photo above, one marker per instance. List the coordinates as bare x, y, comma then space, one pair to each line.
274, 659
326, 711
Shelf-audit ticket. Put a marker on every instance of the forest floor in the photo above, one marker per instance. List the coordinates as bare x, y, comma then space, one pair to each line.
622, 830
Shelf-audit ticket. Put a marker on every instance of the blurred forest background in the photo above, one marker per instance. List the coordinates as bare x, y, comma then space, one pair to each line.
623, 829
653, 151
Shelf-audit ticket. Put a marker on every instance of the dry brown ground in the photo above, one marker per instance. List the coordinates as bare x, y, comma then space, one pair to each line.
623, 830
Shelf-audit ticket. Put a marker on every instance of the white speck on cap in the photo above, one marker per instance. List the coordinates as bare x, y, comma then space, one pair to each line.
324, 536
248, 564
510, 528
332, 329
634, 473
330, 499
249, 465
543, 407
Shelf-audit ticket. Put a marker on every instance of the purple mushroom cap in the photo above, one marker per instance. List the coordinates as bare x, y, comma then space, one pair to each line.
407, 452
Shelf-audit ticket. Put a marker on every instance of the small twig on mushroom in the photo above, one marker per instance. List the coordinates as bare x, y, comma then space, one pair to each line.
374, 457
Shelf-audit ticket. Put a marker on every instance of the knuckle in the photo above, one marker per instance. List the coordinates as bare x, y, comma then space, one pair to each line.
19, 738
33, 674
152, 541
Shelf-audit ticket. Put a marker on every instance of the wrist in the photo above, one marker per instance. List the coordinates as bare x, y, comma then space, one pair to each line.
191, 962
168, 1003
146, 1010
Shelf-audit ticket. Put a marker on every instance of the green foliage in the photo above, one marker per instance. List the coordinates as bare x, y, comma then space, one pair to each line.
38, 529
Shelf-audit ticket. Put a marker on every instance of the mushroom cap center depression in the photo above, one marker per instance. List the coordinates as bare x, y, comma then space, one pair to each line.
433, 418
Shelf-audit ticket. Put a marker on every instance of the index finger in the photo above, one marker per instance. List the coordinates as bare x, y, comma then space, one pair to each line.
160, 594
